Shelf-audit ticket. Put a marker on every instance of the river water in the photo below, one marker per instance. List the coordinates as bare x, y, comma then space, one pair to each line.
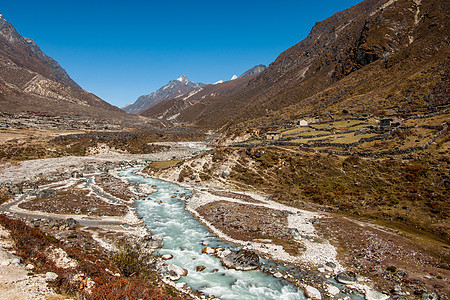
183, 236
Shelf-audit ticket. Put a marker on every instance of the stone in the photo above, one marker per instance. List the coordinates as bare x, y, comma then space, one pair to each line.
332, 290
70, 223
180, 285
76, 174
429, 296
51, 276
204, 243
241, 260
225, 174
47, 193
151, 241
374, 295
208, 250
29, 267
166, 256
200, 268
312, 292
278, 275
89, 169
176, 272
7, 259
347, 277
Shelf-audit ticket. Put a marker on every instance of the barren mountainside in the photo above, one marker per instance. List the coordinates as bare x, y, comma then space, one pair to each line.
365, 59
32, 81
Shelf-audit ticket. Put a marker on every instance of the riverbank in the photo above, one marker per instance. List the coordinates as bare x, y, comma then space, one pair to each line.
397, 262
76, 201
311, 240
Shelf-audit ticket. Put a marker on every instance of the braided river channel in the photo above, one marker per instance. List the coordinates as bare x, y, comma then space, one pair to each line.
163, 212
183, 235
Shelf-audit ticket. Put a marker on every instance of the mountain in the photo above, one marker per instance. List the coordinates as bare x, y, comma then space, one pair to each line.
174, 88
32, 81
171, 108
253, 71
366, 59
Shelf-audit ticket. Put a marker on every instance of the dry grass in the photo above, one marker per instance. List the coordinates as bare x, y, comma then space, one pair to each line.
33, 134
348, 138
297, 130
164, 164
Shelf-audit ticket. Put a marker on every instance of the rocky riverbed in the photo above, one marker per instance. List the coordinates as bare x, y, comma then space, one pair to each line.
82, 202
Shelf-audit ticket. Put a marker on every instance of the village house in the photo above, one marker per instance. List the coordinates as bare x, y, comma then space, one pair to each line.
302, 123
273, 136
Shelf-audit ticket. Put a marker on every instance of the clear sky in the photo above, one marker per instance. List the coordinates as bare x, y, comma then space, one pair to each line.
120, 50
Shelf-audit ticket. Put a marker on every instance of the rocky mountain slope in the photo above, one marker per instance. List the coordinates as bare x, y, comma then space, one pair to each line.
30, 81
173, 89
253, 71
370, 58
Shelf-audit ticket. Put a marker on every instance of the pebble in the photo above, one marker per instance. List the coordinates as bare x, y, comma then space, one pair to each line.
346, 277
200, 268
167, 256
51, 276
278, 275
374, 295
332, 290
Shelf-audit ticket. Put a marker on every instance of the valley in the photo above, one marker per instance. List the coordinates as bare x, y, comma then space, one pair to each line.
324, 175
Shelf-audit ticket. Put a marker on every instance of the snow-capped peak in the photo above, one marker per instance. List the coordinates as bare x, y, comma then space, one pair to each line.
234, 77
183, 78
218, 82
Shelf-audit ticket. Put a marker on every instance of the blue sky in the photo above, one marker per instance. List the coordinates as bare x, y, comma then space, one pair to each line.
120, 50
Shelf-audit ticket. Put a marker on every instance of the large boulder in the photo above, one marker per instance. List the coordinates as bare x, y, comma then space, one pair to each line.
89, 169
47, 193
241, 260
11, 187
175, 272
151, 242
70, 223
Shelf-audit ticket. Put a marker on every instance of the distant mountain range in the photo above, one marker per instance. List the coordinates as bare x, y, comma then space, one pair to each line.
174, 88
31, 81
177, 88
377, 57
171, 108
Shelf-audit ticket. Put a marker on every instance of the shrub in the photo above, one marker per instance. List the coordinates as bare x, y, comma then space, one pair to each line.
133, 260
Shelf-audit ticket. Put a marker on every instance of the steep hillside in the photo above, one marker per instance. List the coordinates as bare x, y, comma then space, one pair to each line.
33, 82
173, 89
367, 58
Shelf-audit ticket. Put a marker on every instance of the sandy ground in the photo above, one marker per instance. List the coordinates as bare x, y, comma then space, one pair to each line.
16, 281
